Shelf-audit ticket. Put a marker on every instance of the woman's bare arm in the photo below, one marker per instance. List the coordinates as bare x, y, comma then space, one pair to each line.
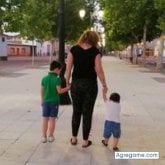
100, 74
69, 65
99, 70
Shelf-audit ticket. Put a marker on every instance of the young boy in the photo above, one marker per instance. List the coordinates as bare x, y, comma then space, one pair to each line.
50, 90
112, 121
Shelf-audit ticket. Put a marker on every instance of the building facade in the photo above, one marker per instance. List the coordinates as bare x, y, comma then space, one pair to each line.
3, 47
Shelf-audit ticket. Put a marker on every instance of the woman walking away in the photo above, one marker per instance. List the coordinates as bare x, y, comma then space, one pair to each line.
85, 60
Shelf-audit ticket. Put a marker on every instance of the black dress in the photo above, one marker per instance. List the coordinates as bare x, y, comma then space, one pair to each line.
84, 88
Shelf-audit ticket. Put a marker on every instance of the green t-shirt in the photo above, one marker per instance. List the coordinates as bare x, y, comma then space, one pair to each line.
49, 82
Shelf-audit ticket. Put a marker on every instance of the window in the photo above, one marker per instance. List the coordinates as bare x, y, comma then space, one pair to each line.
12, 50
23, 51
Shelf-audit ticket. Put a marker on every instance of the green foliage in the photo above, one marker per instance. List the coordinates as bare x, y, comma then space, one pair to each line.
11, 14
40, 18
160, 6
125, 20
36, 19
120, 20
74, 25
2, 2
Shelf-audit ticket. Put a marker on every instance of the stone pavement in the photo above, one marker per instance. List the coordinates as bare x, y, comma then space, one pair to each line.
143, 115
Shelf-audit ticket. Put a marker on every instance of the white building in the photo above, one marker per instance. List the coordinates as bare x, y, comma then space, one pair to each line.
3, 47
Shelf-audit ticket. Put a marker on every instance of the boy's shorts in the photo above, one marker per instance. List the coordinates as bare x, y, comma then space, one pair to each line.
50, 109
112, 128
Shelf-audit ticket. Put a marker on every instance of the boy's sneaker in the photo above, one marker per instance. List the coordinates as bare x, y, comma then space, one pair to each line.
51, 139
44, 140
105, 144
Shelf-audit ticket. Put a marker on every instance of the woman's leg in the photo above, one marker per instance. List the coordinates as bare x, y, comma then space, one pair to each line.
88, 106
87, 120
77, 110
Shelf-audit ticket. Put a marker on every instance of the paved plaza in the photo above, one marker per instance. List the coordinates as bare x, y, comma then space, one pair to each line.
143, 118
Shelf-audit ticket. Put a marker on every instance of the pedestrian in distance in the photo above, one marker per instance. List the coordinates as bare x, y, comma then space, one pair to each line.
112, 120
50, 90
85, 60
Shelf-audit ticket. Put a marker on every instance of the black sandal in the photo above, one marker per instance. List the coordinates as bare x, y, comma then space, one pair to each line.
105, 144
73, 143
89, 143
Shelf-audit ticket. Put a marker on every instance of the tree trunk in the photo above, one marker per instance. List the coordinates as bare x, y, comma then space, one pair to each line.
52, 50
160, 53
131, 53
144, 44
1, 31
33, 53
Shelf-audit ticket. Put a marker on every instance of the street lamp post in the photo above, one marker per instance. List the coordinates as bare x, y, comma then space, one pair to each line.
62, 33
64, 98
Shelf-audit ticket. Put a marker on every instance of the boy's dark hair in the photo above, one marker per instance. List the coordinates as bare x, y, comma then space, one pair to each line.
54, 65
115, 97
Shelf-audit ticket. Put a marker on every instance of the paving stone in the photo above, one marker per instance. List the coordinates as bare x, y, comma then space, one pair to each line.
142, 119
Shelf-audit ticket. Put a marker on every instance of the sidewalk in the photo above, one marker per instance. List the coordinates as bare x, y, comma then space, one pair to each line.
15, 63
143, 116
150, 62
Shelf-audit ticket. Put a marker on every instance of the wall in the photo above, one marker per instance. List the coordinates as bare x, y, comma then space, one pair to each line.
3, 48
18, 50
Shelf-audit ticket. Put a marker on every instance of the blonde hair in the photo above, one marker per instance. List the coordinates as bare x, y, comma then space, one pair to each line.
89, 37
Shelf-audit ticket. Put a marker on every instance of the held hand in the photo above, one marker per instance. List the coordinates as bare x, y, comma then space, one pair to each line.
68, 86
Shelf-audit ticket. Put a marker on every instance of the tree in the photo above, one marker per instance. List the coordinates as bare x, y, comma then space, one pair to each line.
11, 15
2, 4
127, 20
74, 25
40, 18
36, 22
150, 19
160, 6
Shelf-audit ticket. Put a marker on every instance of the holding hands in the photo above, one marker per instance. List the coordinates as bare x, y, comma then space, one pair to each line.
68, 86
